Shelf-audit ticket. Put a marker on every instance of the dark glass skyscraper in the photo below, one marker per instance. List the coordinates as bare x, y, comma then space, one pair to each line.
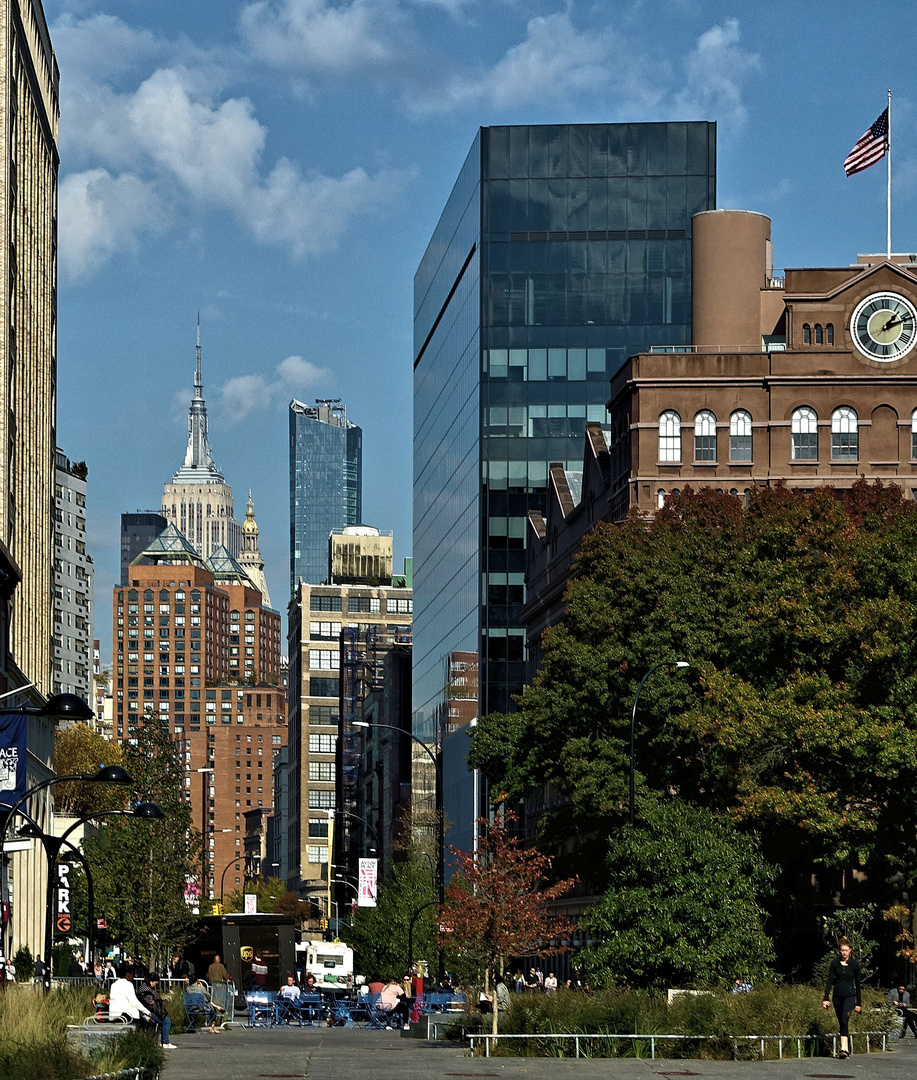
326, 484
561, 251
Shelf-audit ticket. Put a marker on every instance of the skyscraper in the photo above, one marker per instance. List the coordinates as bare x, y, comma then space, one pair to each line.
561, 251
198, 500
326, 484
72, 581
138, 531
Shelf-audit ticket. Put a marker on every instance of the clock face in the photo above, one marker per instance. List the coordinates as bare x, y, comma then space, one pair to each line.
884, 326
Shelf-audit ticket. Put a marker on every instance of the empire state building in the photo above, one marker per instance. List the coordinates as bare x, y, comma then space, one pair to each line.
198, 499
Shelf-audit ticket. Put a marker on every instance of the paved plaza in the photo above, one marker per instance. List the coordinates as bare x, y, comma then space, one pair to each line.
342, 1054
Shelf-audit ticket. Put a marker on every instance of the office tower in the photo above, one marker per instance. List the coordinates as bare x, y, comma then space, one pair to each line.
326, 623
29, 113
194, 643
72, 581
326, 484
250, 557
138, 531
197, 499
561, 251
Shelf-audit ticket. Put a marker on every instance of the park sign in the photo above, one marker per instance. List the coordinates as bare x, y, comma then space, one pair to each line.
64, 921
13, 733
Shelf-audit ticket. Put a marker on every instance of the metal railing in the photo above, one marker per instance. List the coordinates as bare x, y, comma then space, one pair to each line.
640, 1041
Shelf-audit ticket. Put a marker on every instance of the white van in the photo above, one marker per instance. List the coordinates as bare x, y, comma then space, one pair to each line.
331, 962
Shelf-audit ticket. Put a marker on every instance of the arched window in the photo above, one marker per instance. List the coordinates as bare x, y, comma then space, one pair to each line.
805, 434
914, 434
670, 436
660, 498
705, 436
844, 437
819, 334
829, 333
740, 436
806, 334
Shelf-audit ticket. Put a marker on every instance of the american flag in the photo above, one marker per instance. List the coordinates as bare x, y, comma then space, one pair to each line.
870, 148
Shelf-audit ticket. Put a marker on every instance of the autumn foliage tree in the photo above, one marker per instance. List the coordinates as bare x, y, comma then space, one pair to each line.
78, 750
498, 903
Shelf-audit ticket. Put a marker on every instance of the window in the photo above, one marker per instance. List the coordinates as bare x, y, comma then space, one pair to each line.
804, 428
317, 854
844, 436
400, 607
324, 603
328, 714
324, 687
660, 498
318, 827
806, 334
322, 744
705, 436
324, 631
670, 436
914, 434
740, 436
321, 771
321, 800
324, 659
829, 333
819, 334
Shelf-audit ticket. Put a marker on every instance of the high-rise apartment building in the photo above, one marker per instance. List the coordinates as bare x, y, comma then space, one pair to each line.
561, 251
197, 499
194, 643
138, 531
326, 484
324, 622
72, 581
29, 113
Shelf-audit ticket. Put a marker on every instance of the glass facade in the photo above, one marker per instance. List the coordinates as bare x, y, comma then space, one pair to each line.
562, 250
326, 484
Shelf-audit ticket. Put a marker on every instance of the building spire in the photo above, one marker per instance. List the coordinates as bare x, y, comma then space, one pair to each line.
250, 557
198, 466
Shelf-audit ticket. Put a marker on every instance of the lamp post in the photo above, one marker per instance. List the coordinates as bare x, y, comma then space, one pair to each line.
440, 829
62, 706
356, 817
203, 772
633, 718
148, 811
232, 862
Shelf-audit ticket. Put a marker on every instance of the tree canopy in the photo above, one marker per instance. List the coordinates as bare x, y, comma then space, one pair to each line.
798, 715
78, 750
140, 868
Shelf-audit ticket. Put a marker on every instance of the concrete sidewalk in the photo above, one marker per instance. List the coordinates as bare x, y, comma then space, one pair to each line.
342, 1054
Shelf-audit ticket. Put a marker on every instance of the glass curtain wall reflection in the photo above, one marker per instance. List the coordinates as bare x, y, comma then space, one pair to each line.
561, 251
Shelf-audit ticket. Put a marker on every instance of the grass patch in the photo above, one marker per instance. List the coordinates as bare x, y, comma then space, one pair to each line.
712, 1023
33, 1043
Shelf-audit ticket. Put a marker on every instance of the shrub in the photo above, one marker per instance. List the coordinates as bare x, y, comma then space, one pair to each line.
24, 964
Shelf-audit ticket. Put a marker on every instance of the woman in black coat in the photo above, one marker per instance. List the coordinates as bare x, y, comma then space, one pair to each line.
844, 978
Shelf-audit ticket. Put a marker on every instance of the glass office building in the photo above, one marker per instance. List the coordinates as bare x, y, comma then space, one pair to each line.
561, 251
326, 484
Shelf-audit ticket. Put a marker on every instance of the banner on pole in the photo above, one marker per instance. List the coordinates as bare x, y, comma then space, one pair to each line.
13, 734
64, 921
366, 894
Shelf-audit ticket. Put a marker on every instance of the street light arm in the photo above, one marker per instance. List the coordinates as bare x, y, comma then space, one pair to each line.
633, 721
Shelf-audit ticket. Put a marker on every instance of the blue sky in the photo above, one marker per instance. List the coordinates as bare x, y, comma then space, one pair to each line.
279, 165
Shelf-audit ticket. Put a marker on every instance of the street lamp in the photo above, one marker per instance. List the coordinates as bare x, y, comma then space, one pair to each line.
232, 862
440, 830
203, 772
148, 811
61, 706
633, 718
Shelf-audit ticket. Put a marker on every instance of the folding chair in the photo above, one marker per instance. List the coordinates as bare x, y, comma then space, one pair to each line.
197, 1007
261, 1004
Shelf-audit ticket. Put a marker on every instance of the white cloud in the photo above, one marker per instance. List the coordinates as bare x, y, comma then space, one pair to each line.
245, 394
317, 36
102, 215
716, 72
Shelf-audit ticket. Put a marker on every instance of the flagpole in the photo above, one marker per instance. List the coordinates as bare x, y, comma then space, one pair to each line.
888, 216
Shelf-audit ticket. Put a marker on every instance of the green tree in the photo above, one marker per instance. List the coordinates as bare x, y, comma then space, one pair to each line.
269, 890
798, 614
141, 868
379, 935
685, 908
78, 750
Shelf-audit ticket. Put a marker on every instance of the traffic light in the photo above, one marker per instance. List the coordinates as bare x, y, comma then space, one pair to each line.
324, 924
217, 909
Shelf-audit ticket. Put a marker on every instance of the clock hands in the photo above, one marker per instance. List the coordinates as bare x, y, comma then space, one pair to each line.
896, 320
